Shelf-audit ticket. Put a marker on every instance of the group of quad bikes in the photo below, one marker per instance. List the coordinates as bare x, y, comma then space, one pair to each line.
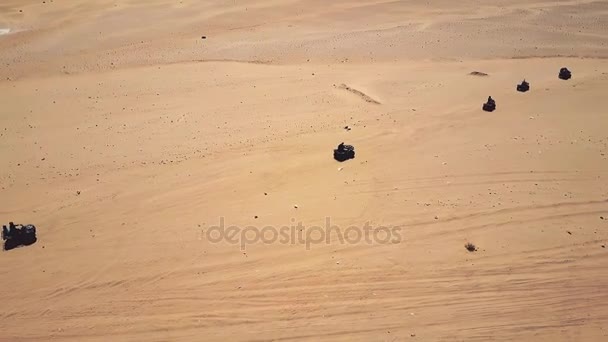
24, 235
523, 87
346, 152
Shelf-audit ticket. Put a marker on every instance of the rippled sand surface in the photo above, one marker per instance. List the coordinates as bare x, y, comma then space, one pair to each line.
125, 138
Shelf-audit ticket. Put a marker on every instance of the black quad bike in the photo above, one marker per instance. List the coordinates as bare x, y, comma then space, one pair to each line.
489, 106
16, 235
523, 87
344, 152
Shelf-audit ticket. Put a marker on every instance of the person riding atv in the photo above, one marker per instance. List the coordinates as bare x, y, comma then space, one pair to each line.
344, 152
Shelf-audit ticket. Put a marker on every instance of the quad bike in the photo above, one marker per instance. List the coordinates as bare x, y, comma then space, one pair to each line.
489, 106
17, 235
344, 152
565, 74
523, 87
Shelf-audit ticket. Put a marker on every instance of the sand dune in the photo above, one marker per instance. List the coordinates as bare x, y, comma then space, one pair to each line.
126, 138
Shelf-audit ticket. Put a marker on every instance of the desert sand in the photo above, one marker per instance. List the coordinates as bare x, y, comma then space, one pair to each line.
125, 137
